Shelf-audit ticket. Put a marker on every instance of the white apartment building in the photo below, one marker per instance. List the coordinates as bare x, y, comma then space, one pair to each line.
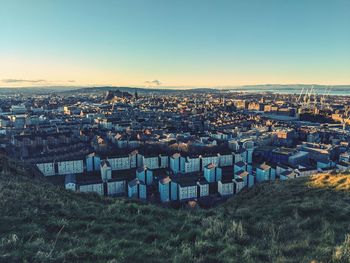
47, 169
190, 164
120, 163
70, 167
92, 188
116, 187
225, 188
225, 160
187, 192
209, 159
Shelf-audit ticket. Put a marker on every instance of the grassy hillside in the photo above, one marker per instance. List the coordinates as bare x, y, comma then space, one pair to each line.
302, 220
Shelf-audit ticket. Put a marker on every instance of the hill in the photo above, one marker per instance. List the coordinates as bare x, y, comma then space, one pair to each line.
301, 220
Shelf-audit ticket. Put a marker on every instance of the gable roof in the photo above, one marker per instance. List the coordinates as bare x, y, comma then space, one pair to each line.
135, 182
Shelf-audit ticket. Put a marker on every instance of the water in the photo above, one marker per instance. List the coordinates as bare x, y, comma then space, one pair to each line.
335, 91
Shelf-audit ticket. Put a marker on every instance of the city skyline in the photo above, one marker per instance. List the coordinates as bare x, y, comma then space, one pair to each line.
174, 43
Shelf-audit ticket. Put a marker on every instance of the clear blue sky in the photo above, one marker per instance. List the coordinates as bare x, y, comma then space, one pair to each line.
179, 42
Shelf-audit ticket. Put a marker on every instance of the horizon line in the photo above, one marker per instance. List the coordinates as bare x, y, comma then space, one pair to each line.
171, 87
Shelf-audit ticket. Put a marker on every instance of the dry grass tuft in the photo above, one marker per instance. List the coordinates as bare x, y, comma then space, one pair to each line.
339, 182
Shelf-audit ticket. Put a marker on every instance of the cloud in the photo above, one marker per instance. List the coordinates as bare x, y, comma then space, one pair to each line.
70, 80
23, 80
151, 83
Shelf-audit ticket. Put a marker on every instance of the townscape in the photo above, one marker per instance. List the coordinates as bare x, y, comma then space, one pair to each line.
172, 147
175, 131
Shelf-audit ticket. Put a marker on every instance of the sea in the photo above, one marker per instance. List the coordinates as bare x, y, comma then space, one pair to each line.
322, 90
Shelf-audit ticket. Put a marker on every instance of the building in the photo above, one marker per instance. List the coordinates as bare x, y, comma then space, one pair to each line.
281, 155
298, 158
163, 161
92, 187
19, 121
343, 166
174, 163
212, 173
187, 191
137, 189
70, 167
317, 152
116, 187
285, 134
61, 167
183, 189
70, 182
151, 162
306, 171
265, 172
247, 153
241, 166
121, 162
239, 184
203, 188
93, 162
248, 178
281, 168
145, 175
288, 156
226, 187
47, 169
164, 188
189, 164
324, 164
205, 160
18, 109
106, 171
225, 160
344, 157
288, 174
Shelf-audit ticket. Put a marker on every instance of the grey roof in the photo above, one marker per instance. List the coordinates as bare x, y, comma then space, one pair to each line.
70, 178
240, 164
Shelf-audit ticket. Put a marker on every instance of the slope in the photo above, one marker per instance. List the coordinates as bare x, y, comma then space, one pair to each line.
293, 221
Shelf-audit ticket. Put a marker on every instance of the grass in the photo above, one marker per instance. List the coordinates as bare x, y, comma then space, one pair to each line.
301, 220
336, 181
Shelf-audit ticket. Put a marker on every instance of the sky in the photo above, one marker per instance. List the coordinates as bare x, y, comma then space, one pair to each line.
196, 43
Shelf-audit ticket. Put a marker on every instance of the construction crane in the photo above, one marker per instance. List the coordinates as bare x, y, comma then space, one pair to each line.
344, 122
301, 93
345, 118
312, 97
306, 95
325, 94
275, 97
315, 96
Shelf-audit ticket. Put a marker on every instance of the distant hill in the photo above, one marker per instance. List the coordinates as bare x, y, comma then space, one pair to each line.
139, 90
279, 88
292, 88
301, 220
